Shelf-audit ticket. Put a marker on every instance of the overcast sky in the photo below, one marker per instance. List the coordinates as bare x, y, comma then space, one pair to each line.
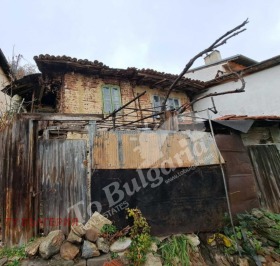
158, 34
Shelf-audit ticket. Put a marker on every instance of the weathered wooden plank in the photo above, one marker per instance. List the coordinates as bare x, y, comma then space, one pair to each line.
16, 182
266, 162
239, 171
64, 181
62, 117
156, 149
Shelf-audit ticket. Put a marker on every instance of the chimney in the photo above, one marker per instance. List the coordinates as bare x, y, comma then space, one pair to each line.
214, 57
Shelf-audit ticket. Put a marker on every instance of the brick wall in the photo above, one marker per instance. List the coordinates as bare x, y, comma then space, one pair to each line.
83, 94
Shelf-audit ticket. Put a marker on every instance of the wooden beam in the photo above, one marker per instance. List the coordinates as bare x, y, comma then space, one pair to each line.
61, 117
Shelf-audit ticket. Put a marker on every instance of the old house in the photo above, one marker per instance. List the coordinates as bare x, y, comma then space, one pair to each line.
5, 79
74, 157
216, 66
261, 96
72, 86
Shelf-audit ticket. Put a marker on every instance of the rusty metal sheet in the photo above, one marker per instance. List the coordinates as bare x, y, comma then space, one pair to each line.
62, 166
182, 200
157, 149
266, 162
16, 179
239, 172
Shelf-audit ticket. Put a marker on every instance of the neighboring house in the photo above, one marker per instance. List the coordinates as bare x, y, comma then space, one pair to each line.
215, 66
4, 81
261, 96
248, 120
260, 136
72, 86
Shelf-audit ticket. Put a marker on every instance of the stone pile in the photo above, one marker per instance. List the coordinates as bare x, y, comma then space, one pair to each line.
84, 245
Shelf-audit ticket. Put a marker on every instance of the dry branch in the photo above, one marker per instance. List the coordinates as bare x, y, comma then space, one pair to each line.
241, 89
220, 41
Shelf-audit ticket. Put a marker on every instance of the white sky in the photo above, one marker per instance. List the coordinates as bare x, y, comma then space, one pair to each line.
157, 34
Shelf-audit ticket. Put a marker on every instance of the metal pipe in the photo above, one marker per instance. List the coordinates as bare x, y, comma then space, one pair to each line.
225, 182
114, 112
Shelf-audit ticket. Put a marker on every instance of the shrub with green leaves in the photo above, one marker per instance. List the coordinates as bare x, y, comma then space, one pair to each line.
141, 238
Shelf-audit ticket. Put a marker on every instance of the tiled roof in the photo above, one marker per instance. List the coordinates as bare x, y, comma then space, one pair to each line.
47, 63
272, 62
246, 117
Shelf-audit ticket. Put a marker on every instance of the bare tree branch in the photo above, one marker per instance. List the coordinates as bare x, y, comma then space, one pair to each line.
220, 41
241, 89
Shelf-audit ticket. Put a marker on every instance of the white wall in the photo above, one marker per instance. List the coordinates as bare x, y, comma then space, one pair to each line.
261, 96
3, 97
205, 74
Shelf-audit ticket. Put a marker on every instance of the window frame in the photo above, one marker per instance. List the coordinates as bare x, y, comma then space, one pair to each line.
161, 99
113, 105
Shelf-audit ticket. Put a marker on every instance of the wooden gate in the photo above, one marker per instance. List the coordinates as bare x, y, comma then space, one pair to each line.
62, 166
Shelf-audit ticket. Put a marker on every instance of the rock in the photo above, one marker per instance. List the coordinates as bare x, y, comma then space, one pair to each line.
92, 234
50, 262
32, 248
120, 245
261, 259
73, 238
3, 261
98, 261
89, 250
114, 262
152, 260
51, 244
154, 247
103, 245
81, 262
243, 262
56, 257
68, 251
122, 256
97, 221
194, 239
78, 229
257, 213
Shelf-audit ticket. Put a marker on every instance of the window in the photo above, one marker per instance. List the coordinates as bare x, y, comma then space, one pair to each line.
172, 103
111, 98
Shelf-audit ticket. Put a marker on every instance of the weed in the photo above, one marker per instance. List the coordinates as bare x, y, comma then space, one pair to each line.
17, 252
108, 229
141, 238
176, 250
114, 255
